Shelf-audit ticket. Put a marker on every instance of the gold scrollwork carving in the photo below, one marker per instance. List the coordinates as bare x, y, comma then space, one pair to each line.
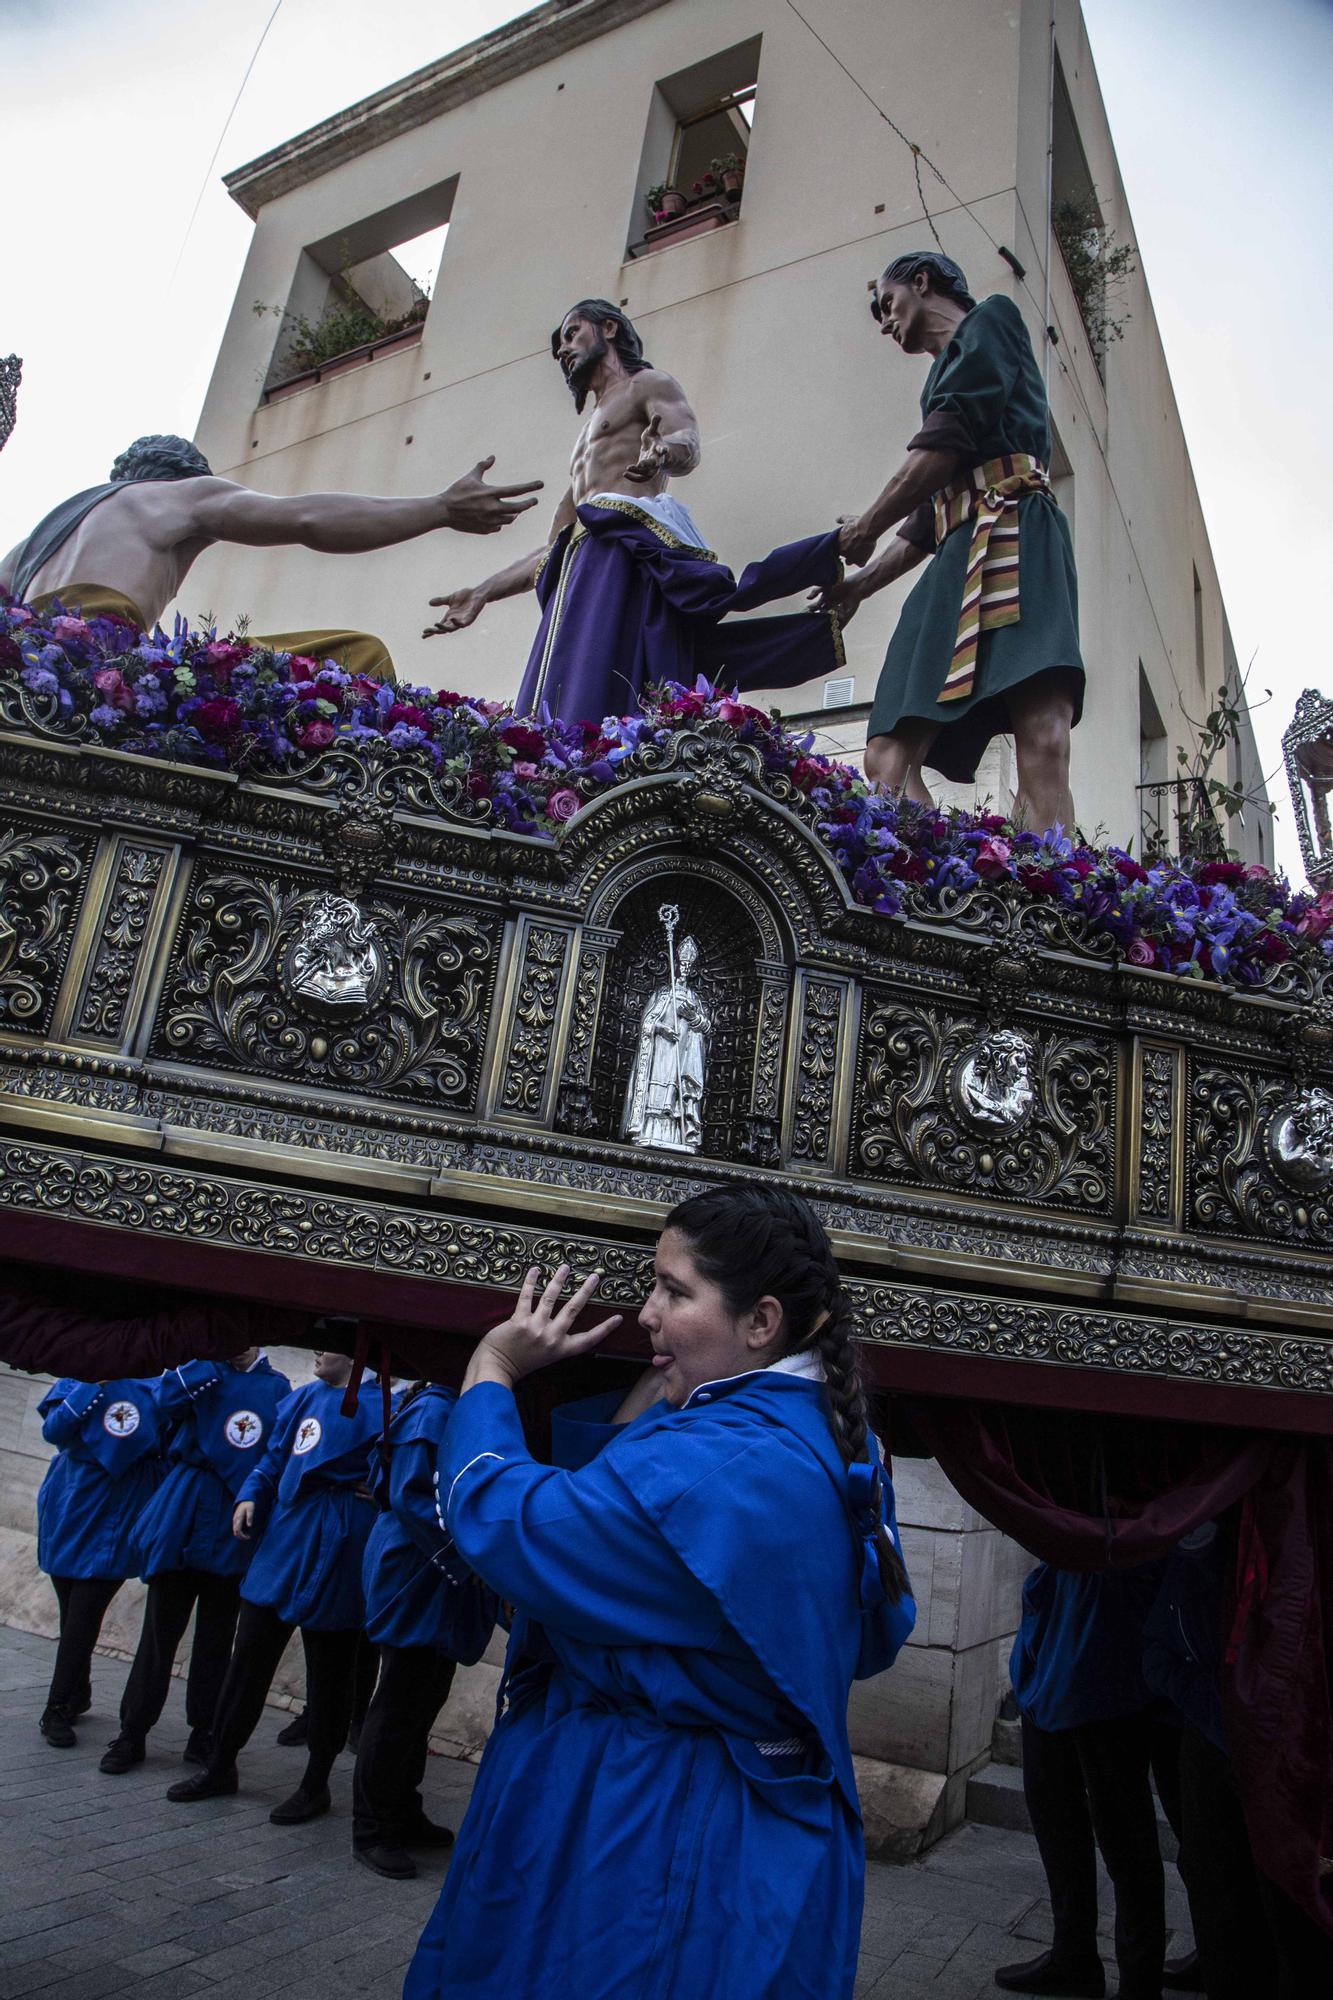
908, 1129
418, 1034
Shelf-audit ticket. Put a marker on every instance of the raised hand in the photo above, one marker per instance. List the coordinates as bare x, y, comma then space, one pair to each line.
539, 1330
856, 544
653, 455
461, 607
474, 508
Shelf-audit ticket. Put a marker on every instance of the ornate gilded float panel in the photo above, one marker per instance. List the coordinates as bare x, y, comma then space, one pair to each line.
342, 1021
1014, 1113
275, 976
43, 875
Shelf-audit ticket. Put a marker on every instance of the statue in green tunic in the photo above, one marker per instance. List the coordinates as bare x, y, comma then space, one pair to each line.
987, 642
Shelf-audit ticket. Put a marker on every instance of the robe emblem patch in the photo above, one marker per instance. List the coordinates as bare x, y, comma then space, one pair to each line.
121, 1419
244, 1429
308, 1434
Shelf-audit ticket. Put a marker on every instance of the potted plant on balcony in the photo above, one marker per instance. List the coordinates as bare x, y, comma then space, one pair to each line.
664, 201
729, 172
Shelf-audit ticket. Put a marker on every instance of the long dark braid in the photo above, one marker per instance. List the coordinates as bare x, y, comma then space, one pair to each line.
759, 1241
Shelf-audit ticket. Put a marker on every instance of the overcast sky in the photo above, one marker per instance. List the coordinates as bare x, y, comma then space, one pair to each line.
116, 299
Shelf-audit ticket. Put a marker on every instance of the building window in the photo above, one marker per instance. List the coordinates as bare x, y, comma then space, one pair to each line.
1098, 267
1200, 654
692, 170
363, 292
1156, 792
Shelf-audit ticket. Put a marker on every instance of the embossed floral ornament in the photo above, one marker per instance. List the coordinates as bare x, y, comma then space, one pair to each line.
232, 704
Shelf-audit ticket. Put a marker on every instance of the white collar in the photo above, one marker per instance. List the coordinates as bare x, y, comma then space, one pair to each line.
805, 1367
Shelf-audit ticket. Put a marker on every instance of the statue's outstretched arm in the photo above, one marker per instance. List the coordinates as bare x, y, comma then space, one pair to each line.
350, 523
921, 474
463, 606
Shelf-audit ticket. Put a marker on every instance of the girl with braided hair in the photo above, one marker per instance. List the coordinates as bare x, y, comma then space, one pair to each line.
667, 1806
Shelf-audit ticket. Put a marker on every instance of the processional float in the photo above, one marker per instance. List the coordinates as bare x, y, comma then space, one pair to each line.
333, 1040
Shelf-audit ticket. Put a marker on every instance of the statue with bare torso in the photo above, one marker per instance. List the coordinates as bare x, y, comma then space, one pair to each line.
127, 546
623, 549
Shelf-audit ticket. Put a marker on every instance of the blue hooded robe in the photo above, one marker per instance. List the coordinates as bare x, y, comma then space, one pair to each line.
418, 1589
666, 1809
222, 1416
311, 1520
106, 1468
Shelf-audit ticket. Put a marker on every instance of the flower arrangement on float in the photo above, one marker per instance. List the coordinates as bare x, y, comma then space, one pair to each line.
234, 704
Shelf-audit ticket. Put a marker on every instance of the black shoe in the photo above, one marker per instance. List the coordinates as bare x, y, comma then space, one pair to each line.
301, 1806
55, 1727
386, 1859
296, 1733
1183, 1975
198, 1748
354, 1737
122, 1755
204, 1785
84, 1702
1047, 1974
425, 1832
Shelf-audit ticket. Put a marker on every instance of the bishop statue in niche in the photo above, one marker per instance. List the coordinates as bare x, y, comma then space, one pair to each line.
664, 1102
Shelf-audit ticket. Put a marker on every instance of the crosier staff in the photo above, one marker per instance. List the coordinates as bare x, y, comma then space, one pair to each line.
669, 917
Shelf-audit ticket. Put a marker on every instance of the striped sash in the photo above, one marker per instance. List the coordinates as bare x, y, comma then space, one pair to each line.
987, 496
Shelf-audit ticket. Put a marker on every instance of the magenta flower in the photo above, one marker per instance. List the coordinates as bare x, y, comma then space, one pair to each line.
993, 858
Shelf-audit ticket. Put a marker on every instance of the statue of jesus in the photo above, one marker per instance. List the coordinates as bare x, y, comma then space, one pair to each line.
630, 596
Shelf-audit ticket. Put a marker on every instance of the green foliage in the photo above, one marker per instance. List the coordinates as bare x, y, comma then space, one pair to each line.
347, 322
1098, 268
1206, 795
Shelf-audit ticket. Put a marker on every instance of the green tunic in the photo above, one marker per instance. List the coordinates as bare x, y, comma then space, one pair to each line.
985, 396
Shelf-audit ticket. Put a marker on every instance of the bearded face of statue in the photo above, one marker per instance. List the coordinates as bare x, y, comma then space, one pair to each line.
582, 346
688, 957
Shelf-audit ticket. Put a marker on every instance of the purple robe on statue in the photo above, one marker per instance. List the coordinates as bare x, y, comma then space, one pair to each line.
627, 604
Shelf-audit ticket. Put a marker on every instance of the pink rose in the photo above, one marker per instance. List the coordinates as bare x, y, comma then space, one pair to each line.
1256, 872
524, 769
993, 857
1141, 952
111, 686
562, 805
66, 628
316, 736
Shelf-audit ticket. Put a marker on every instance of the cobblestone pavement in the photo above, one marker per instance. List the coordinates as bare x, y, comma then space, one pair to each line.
107, 1888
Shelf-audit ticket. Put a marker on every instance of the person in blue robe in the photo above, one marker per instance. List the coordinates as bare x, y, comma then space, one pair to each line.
308, 1506
1094, 1740
426, 1612
107, 1464
184, 1547
667, 1805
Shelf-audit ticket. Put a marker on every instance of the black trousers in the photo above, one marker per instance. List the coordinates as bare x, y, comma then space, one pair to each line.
413, 1687
172, 1596
261, 1637
1090, 1788
83, 1602
1252, 1939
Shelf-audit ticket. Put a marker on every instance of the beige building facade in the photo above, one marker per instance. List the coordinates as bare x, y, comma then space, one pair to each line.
536, 146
